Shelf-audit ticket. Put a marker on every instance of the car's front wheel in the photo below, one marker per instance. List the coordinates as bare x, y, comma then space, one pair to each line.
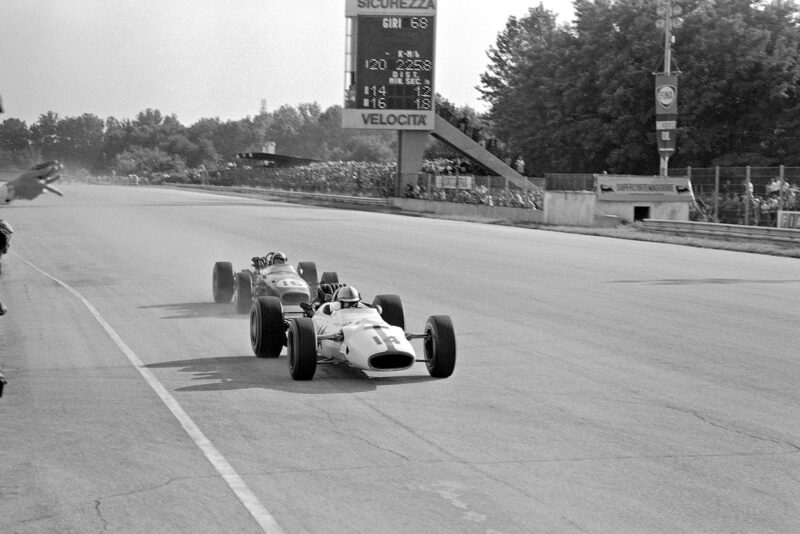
301, 346
267, 329
222, 282
243, 292
308, 272
440, 346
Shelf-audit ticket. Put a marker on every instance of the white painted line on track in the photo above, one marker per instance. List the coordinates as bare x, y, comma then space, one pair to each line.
226, 471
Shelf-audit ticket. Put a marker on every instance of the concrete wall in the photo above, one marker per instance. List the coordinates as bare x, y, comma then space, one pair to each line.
569, 208
468, 211
668, 211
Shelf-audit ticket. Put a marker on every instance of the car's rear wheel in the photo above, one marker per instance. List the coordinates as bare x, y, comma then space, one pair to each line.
301, 346
440, 346
329, 277
267, 329
307, 271
243, 292
391, 309
222, 282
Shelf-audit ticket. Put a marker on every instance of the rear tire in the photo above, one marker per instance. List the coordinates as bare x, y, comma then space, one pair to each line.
301, 346
267, 329
440, 346
222, 282
308, 272
329, 277
391, 309
243, 292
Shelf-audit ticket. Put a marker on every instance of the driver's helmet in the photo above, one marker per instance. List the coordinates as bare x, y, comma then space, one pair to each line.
279, 257
347, 296
5, 227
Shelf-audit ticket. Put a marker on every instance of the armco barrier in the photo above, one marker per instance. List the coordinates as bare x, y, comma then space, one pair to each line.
255, 191
755, 233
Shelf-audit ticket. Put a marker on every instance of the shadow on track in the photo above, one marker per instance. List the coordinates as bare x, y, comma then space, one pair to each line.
193, 310
249, 372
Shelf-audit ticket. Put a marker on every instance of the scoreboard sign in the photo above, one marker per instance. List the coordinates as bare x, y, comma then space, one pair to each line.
390, 64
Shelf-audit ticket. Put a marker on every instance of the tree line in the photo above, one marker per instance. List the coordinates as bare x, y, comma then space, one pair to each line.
575, 97
157, 143
579, 97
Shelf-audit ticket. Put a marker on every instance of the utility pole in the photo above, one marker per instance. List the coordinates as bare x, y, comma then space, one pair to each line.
667, 87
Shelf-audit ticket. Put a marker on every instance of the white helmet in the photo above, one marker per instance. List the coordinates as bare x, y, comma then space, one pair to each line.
348, 296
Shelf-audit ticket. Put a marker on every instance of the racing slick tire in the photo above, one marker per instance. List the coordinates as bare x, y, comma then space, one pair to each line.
267, 329
308, 272
440, 346
301, 346
391, 309
329, 277
222, 282
243, 292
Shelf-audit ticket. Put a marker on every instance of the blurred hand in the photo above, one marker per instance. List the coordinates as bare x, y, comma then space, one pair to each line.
32, 183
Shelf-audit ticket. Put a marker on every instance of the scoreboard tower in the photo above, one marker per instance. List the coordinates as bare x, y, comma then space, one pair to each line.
389, 73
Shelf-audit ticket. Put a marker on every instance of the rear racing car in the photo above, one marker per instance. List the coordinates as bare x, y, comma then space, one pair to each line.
269, 275
339, 328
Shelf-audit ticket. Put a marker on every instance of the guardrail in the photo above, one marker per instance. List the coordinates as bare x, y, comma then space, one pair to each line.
256, 191
718, 230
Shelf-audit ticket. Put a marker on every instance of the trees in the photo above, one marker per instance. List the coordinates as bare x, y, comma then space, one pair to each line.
14, 142
579, 98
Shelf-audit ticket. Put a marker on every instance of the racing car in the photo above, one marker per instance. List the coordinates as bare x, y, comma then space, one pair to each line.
369, 337
268, 276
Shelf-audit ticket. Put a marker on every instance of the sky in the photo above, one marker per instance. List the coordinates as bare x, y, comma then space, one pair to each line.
214, 58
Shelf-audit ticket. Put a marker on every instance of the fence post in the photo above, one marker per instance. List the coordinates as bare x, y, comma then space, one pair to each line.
781, 182
430, 187
747, 196
716, 194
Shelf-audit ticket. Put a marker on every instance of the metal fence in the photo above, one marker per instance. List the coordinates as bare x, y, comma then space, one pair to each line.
732, 195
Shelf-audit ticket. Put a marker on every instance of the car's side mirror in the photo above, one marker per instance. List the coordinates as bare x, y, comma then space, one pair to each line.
326, 309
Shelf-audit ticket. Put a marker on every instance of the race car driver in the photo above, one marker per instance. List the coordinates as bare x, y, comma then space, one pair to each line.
346, 297
279, 258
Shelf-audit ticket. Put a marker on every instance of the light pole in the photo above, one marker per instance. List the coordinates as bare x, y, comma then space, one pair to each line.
667, 86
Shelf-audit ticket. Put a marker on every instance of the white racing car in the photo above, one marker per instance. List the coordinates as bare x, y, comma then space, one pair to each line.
342, 329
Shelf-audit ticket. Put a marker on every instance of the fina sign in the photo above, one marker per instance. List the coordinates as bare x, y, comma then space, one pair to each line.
666, 113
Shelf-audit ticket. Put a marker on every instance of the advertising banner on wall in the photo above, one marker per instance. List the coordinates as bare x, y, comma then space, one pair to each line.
453, 181
666, 113
789, 219
617, 188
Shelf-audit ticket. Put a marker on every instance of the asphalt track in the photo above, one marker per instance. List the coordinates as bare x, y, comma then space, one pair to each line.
602, 385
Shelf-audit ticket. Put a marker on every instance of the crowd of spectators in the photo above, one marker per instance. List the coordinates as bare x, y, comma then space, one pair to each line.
750, 206
351, 178
477, 194
378, 180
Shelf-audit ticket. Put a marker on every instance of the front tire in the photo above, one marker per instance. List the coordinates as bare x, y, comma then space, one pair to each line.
440, 346
391, 309
308, 272
222, 282
301, 346
267, 329
243, 292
